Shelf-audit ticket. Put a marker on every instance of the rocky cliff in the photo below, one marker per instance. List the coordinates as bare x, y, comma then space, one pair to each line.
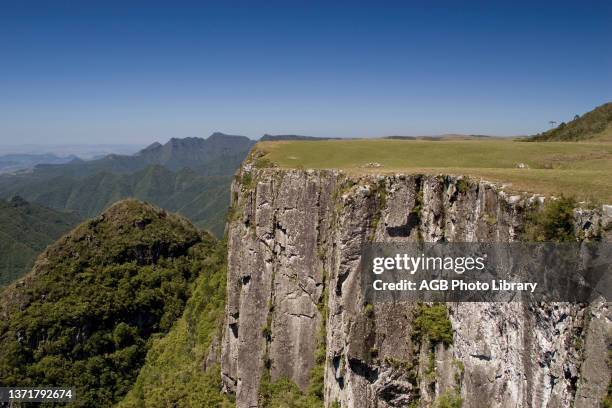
294, 306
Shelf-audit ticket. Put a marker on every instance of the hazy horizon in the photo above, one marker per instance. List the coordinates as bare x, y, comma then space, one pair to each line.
135, 73
252, 137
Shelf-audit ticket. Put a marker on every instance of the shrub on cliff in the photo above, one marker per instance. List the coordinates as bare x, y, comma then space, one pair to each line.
284, 393
432, 322
449, 399
553, 222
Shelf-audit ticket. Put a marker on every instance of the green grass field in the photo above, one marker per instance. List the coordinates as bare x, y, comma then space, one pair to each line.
580, 169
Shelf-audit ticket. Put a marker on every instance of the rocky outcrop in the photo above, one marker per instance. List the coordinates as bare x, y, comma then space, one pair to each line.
295, 239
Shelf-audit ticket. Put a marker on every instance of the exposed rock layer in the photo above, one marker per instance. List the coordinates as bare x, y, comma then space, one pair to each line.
294, 234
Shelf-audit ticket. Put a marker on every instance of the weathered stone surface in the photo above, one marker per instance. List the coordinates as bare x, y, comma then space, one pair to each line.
295, 233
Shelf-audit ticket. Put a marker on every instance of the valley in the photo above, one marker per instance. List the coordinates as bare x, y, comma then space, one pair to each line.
188, 176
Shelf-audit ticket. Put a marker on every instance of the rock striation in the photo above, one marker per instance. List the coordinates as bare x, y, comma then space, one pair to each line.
295, 239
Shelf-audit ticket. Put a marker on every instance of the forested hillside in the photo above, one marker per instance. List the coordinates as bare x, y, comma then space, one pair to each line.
182, 369
596, 124
189, 176
89, 310
202, 199
25, 230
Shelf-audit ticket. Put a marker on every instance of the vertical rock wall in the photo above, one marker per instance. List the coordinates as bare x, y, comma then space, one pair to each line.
294, 235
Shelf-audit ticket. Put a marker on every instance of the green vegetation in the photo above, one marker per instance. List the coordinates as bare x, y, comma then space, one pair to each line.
284, 393
87, 313
415, 403
460, 369
317, 374
463, 186
189, 176
266, 331
607, 401
449, 399
380, 192
174, 373
368, 310
580, 169
432, 322
417, 210
262, 163
204, 200
430, 371
594, 124
489, 219
553, 222
25, 231
400, 364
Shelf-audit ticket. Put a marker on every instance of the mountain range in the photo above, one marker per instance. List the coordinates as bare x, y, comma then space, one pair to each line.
16, 162
219, 154
190, 176
136, 307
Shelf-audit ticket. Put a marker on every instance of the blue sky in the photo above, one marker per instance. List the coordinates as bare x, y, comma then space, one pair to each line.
136, 72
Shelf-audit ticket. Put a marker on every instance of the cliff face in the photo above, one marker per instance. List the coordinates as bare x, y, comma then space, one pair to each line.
295, 239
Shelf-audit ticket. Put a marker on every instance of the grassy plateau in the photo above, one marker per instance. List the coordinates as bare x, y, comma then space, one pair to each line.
580, 169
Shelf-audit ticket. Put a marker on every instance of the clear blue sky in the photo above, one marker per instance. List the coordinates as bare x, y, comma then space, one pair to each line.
134, 72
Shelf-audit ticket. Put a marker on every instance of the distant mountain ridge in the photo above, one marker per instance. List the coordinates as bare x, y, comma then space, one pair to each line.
190, 176
449, 136
219, 154
15, 162
275, 138
596, 124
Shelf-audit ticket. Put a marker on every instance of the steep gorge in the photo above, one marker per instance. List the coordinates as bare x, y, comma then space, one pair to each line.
295, 239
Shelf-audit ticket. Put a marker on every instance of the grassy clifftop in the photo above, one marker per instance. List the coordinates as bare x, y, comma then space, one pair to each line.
555, 168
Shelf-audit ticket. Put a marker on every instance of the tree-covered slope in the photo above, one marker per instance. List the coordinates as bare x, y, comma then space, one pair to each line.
87, 313
594, 124
25, 230
181, 369
202, 199
190, 176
